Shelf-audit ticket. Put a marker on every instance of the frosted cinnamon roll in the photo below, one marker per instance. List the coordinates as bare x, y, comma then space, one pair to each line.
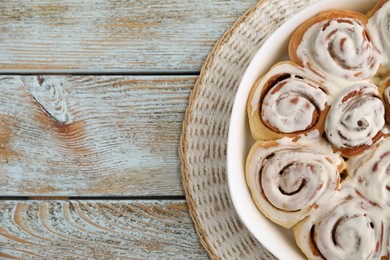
288, 178
336, 45
356, 119
284, 102
378, 25
350, 228
370, 173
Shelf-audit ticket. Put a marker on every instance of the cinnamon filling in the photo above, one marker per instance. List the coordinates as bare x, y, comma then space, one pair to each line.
313, 244
302, 182
276, 84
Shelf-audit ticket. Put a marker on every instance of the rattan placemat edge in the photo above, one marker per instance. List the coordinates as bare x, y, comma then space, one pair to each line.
194, 95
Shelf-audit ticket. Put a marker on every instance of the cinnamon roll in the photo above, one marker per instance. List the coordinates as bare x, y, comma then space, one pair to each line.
370, 173
378, 25
348, 228
331, 100
284, 102
356, 119
288, 178
336, 45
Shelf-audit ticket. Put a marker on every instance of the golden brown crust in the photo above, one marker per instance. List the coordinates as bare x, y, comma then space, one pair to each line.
268, 149
265, 133
256, 146
262, 130
297, 36
258, 129
297, 229
354, 151
378, 6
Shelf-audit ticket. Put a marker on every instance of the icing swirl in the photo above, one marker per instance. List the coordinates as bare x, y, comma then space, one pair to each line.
284, 101
287, 178
371, 173
327, 87
336, 46
379, 25
352, 229
356, 119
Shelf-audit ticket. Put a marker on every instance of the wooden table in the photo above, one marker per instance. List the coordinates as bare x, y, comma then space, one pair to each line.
93, 93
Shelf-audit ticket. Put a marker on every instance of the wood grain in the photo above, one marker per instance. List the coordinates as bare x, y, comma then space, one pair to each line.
91, 135
111, 36
97, 230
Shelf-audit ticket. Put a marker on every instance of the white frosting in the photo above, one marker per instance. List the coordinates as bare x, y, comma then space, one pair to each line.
340, 51
289, 106
370, 173
297, 181
379, 26
355, 120
289, 177
346, 228
354, 237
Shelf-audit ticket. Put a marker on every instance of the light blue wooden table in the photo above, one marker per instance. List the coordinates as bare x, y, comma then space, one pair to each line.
93, 93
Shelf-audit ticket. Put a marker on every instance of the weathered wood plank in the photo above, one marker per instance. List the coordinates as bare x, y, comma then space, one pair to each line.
115, 35
91, 135
97, 230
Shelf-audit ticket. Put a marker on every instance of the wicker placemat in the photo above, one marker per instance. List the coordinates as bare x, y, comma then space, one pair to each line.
205, 132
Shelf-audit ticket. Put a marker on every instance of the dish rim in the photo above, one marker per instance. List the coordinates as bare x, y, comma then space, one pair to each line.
248, 211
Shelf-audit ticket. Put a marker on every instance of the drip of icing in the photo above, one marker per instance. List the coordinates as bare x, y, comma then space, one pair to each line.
379, 25
339, 51
305, 137
356, 117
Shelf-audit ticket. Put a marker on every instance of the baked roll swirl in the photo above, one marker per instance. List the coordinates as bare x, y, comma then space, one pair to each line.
348, 228
336, 87
371, 173
284, 102
336, 45
356, 119
288, 178
378, 25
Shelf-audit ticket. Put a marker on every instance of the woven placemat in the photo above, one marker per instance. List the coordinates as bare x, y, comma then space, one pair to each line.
205, 131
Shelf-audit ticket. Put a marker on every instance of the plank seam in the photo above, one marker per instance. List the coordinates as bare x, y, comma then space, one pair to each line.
118, 198
102, 73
